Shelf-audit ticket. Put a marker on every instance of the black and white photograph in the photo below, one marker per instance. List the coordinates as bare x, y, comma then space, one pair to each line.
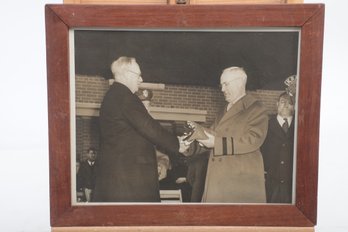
179, 114
57, 75
184, 116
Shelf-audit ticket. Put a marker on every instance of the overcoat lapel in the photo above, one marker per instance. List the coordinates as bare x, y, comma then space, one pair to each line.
235, 109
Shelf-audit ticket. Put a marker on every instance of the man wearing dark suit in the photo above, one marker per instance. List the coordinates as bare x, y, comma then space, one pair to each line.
86, 174
277, 152
127, 170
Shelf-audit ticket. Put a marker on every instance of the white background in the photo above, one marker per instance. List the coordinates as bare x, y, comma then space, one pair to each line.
24, 189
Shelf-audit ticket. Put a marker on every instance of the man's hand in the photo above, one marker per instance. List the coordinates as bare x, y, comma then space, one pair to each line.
209, 142
162, 171
181, 180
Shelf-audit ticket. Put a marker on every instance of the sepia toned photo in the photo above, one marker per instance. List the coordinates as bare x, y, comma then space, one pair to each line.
184, 116
161, 117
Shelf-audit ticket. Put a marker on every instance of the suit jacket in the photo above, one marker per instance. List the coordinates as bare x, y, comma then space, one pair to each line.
235, 168
86, 175
277, 152
127, 162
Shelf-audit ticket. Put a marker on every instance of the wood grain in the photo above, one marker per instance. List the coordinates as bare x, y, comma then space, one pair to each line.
60, 18
127, 2
184, 229
308, 115
174, 1
57, 47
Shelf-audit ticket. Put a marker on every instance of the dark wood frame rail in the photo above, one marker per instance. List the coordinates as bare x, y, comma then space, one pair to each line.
60, 18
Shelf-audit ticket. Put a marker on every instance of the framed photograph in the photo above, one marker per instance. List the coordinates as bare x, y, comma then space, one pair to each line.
181, 59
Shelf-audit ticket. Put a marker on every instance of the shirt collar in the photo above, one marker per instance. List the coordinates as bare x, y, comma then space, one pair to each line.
281, 119
230, 104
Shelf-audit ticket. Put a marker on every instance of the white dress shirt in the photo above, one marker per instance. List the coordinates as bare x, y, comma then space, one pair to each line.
281, 120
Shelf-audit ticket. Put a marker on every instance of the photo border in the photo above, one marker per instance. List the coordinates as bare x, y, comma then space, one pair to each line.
61, 18
73, 105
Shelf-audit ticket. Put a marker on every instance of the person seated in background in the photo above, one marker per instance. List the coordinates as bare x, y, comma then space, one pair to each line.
163, 164
86, 175
175, 175
277, 151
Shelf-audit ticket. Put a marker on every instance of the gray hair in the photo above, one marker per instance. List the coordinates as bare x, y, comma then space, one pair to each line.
238, 71
121, 65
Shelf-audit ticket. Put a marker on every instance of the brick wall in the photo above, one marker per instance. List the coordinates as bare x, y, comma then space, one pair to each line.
87, 135
190, 97
91, 89
268, 98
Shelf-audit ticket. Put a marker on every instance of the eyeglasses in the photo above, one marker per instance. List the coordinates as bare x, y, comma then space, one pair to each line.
224, 84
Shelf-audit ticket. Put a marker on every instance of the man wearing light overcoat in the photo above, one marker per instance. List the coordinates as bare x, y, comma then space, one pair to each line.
235, 172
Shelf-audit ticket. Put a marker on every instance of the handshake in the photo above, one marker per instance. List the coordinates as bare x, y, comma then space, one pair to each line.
205, 137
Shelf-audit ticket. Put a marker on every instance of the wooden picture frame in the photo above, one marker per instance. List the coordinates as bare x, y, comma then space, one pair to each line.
61, 18
182, 2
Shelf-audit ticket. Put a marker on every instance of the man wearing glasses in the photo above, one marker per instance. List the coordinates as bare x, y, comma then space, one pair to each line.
235, 171
127, 169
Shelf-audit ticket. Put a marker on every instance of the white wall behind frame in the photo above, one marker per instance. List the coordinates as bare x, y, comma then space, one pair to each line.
24, 195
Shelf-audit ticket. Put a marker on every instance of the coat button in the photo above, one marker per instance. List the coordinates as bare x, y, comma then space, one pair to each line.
282, 181
283, 144
282, 162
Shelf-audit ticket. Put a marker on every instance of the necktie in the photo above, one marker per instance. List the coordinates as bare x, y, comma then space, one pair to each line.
285, 125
